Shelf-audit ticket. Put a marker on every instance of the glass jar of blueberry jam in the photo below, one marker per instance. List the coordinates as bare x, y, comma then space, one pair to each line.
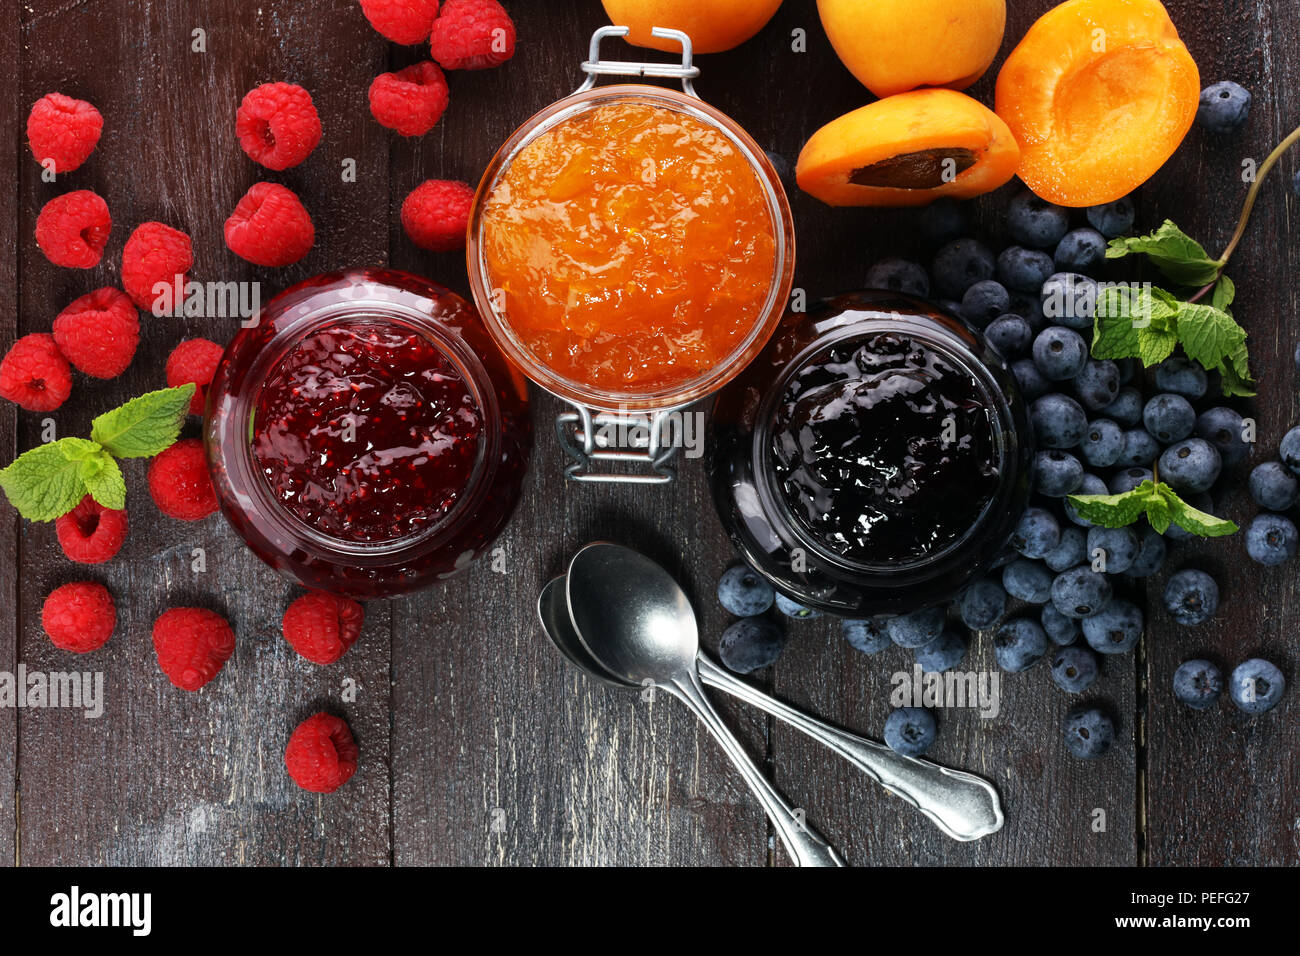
874, 459
366, 436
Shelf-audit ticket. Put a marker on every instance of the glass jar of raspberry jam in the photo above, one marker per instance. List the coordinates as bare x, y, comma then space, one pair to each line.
366, 437
631, 249
874, 459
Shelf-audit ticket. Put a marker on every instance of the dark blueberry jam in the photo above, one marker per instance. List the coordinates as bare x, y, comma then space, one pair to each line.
367, 432
884, 450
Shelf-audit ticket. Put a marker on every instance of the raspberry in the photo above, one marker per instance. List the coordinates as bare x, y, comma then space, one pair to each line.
436, 214
63, 131
402, 21
98, 333
73, 229
91, 533
270, 227
277, 125
156, 254
472, 35
79, 617
321, 626
192, 644
409, 101
194, 360
321, 755
35, 374
180, 483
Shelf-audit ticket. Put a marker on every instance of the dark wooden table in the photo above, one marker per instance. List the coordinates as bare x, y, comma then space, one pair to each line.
478, 745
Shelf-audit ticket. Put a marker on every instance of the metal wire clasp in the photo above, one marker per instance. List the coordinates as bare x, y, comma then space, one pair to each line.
629, 439
594, 66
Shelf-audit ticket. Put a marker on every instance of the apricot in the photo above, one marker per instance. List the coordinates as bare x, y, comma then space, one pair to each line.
712, 25
908, 150
893, 46
1099, 93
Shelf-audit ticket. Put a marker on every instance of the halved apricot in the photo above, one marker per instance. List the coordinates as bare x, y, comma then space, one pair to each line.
909, 150
1099, 94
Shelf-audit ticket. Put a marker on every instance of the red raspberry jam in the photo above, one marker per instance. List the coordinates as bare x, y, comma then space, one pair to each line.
367, 432
366, 437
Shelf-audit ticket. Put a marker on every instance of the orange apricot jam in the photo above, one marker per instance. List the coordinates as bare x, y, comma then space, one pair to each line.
633, 248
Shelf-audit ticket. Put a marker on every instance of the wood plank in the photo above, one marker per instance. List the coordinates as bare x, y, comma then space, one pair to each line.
195, 778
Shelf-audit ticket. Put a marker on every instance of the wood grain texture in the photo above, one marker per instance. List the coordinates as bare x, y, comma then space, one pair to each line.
479, 745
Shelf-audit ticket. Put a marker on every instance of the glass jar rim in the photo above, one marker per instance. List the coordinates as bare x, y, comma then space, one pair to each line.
765, 321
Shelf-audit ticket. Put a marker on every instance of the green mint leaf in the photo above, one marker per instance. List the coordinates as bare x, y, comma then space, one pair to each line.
1235, 373
1208, 335
1156, 345
1180, 257
1159, 515
103, 480
1192, 519
46, 482
1225, 292
144, 426
1113, 511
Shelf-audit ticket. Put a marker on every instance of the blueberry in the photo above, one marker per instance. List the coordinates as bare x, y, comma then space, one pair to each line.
1074, 669
1289, 450
743, 593
795, 610
1060, 630
1192, 597
1060, 353
1125, 481
1081, 250
784, 171
943, 221
870, 635
1128, 371
1169, 417
1072, 550
1140, 448
982, 604
1273, 487
1091, 485
1057, 473
943, 653
960, 264
1126, 410
1113, 219
949, 307
1256, 686
1010, 335
1115, 629
985, 301
1019, 644
1070, 299
910, 731
1151, 554
1190, 466
1224, 429
1037, 533
1081, 592
1176, 374
1059, 421
1031, 381
1198, 684
751, 644
918, 628
1089, 731
1035, 222
1112, 550
1097, 384
1024, 270
1029, 581
899, 275
1103, 443
1224, 107
1030, 307
1271, 539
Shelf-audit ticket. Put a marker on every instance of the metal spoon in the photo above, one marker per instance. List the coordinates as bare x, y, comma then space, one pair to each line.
964, 806
641, 631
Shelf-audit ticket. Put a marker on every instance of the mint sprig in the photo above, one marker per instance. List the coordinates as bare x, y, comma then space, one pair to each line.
1177, 255
1158, 502
48, 481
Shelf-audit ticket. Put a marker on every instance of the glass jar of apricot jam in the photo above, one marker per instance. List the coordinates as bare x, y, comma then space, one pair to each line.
631, 248
365, 436
874, 459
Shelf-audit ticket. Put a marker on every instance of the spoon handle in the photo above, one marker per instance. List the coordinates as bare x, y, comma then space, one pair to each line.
804, 844
962, 805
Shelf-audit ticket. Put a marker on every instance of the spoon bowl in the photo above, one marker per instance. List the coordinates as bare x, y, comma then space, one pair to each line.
553, 609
